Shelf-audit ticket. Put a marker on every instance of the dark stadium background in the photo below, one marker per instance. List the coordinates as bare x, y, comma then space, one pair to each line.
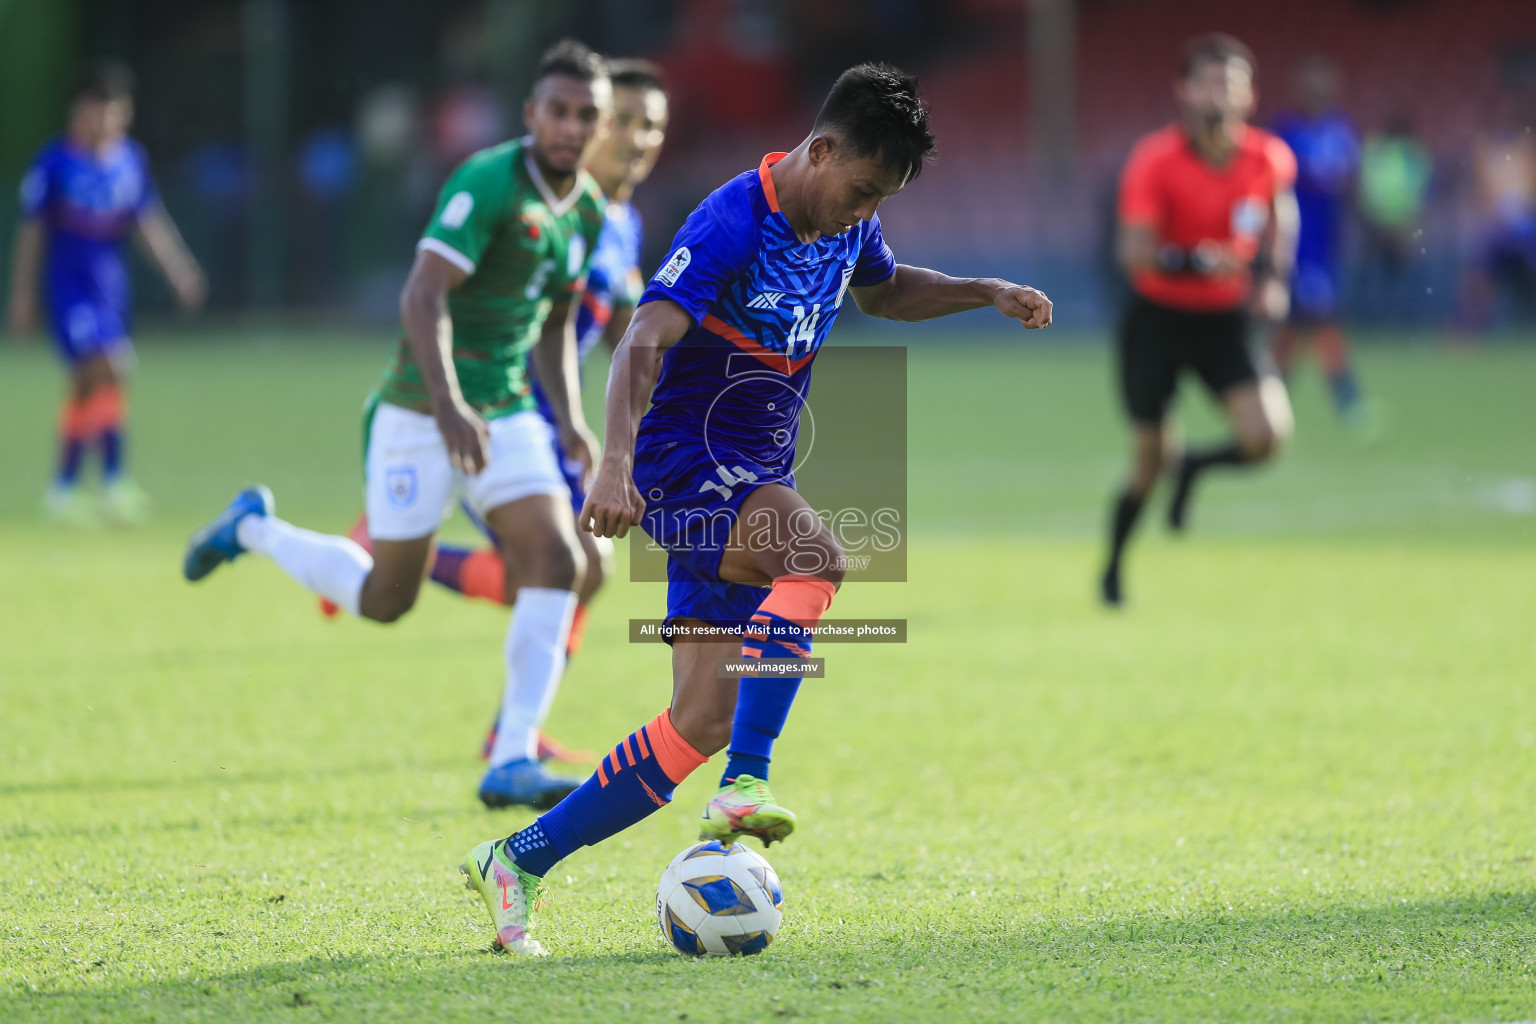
299, 144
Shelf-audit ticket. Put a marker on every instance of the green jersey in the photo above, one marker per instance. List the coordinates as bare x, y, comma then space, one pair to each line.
524, 250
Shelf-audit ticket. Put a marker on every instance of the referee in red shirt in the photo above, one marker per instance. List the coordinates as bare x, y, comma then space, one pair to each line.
1203, 202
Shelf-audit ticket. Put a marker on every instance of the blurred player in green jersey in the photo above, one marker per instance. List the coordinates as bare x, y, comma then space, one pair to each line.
493, 284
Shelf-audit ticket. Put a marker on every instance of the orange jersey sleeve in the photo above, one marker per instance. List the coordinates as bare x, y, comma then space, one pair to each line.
1282, 162
1141, 200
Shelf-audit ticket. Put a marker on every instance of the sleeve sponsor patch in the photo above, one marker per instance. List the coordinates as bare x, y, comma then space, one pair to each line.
674, 267
456, 211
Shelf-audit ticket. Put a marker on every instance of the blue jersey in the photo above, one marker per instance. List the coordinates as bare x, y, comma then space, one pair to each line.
1327, 151
762, 303
613, 279
725, 412
87, 202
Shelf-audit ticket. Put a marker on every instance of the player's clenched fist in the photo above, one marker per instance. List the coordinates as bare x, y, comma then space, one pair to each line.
1028, 306
614, 503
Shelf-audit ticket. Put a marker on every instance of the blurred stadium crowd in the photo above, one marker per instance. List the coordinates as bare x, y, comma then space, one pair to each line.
300, 144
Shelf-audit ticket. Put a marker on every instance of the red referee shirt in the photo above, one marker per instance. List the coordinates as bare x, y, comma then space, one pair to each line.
1169, 187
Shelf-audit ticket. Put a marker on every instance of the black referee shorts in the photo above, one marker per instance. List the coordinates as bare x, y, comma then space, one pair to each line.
1157, 343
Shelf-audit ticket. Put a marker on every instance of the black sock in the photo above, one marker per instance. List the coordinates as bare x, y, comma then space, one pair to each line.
1191, 466
1230, 454
1127, 510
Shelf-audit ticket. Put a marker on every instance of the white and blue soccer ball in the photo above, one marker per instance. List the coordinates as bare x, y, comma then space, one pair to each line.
717, 900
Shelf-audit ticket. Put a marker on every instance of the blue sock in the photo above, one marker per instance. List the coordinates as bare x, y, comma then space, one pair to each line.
70, 455
739, 763
1346, 392
448, 565
630, 784
762, 705
111, 440
536, 851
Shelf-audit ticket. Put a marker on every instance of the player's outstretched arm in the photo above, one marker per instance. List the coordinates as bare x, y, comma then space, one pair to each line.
157, 234
614, 504
429, 331
915, 293
558, 368
26, 257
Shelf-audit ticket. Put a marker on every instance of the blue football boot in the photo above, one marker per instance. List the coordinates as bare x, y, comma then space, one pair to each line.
217, 542
524, 783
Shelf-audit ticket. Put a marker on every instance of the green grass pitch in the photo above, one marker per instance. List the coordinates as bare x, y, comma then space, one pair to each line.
1292, 782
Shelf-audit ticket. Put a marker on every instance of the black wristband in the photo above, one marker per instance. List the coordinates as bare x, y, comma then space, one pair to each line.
1173, 259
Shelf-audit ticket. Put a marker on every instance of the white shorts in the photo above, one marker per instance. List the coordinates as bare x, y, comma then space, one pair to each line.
411, 487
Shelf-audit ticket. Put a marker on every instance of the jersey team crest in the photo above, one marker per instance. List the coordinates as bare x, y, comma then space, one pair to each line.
524, 251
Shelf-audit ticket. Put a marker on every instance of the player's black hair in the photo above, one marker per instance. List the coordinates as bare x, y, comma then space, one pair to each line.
1217, 48
105, 80
635, 73
875, 109
570, 58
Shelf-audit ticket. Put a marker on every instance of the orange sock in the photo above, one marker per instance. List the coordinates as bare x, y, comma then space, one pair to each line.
578, 632
74, 430
103, 409
483, 575
1332, 349
74, 423
674, 754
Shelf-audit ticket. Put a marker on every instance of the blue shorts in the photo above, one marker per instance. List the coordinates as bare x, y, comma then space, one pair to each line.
1315, 288
1507, 252
691, 505
85, 327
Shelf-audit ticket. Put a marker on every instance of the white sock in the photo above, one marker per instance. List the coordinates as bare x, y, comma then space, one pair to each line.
333, 567
541, 627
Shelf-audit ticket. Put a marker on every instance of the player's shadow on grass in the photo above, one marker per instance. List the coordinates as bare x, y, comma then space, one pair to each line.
1441, 958
347, 984
220, 777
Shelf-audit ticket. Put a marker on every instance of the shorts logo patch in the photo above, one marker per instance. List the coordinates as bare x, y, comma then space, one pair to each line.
400, 485
456, 211
674, 267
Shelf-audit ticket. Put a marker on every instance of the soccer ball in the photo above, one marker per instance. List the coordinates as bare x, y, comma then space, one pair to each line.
717, 900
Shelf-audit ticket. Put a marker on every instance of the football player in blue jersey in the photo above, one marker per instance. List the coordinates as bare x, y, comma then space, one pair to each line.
1327, 149
83, 193
721, 348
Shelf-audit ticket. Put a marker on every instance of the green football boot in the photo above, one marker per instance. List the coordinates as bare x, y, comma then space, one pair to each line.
511, 894
746, 808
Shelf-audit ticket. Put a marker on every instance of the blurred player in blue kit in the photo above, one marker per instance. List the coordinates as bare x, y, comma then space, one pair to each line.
84, 192
721, 348
1327, 149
